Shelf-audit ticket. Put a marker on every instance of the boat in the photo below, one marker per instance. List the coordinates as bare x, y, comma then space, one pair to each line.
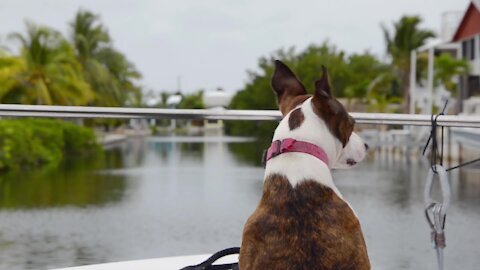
168, 263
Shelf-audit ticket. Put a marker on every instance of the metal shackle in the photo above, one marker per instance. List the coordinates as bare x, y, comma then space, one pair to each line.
444, 187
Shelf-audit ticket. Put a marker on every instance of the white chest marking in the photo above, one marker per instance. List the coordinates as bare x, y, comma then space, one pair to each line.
297, 167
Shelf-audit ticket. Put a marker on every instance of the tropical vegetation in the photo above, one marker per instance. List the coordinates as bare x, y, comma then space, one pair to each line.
192, 101
447, 68
50, 69
46, 71
406, 36
28, 143
107, 70
84, 69
365, 81
351, 76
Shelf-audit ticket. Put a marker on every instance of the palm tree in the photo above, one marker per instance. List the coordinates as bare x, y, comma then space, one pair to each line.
406, 37
87, 35
381, 93
446, 68
10, 67
46, 72
124, 74
109, 73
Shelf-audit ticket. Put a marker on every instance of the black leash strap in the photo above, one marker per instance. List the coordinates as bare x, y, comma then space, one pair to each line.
208, 264
463, 164
433, 139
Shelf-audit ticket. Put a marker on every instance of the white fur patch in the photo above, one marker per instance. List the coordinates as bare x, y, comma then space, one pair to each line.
354, 150
297, 167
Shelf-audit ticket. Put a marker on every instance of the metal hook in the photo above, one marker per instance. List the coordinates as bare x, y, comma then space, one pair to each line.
436, 212
444, 187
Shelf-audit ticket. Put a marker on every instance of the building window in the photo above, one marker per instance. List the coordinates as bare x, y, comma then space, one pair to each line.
472, 49
465, 49
473, 84
468, 49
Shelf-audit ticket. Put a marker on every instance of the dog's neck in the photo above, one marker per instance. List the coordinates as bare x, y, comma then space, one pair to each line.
297, 167
301, 166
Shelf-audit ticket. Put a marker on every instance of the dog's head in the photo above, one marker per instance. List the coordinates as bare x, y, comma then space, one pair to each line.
319, 119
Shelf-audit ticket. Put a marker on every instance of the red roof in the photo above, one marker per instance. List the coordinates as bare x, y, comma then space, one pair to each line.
470, 24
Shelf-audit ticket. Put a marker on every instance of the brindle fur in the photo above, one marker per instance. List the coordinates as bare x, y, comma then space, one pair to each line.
306, 227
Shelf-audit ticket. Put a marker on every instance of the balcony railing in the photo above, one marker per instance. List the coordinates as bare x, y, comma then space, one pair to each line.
14, 110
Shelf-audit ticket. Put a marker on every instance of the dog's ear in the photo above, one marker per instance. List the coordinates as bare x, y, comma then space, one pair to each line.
322, 86
323, 94
285, 84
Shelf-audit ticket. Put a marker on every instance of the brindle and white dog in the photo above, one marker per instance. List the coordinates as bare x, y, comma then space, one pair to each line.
302, 221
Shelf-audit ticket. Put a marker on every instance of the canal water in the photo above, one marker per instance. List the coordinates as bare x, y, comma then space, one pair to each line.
170, 196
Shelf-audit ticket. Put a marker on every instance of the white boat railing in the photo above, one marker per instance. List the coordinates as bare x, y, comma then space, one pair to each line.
16, 110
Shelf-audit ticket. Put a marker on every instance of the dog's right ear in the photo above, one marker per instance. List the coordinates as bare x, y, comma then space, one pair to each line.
285, 84
322, 86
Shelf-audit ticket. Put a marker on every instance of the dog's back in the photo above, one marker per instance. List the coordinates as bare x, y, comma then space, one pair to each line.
300, 228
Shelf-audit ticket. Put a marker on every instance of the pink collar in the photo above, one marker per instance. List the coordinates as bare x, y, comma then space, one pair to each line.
291, 145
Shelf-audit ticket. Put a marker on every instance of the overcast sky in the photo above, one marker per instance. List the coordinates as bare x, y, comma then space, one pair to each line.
211, 43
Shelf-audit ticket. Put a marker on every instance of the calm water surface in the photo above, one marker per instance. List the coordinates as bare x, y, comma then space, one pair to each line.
171, 196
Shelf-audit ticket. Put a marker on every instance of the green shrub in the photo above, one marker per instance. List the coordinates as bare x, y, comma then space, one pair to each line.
78, 140
34, 142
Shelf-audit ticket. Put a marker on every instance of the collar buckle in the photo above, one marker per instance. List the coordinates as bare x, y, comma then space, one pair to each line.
278, 148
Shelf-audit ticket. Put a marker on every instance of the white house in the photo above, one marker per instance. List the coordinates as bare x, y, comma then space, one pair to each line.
216, 100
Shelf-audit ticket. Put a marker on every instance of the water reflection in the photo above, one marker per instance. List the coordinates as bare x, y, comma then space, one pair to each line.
167, 196
72, 183
249, 153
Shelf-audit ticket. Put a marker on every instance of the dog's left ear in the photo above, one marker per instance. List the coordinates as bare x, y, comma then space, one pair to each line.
286, 85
